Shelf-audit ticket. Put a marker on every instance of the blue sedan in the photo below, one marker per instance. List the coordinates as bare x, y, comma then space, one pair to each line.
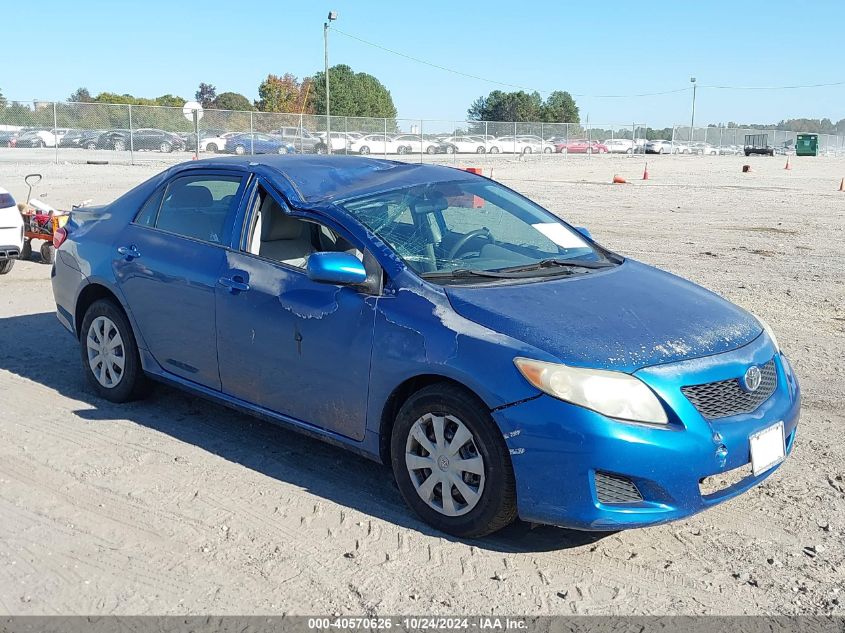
502, 362
256, 143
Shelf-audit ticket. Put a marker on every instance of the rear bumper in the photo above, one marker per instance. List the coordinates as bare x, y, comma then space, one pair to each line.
557, 448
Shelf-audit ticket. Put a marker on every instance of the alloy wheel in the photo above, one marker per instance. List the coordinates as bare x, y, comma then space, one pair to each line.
106, 353
445, 465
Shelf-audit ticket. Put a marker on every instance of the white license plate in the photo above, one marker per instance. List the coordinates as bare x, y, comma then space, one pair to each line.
767, 448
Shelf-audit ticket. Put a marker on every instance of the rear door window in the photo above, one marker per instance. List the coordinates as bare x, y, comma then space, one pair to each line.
195, 206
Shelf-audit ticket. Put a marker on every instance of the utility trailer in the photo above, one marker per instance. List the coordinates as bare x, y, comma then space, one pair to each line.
758, 144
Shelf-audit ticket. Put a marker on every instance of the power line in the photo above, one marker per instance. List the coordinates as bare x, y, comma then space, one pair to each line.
589, 96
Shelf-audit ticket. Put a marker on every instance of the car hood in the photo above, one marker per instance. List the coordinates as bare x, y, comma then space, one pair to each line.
625, 318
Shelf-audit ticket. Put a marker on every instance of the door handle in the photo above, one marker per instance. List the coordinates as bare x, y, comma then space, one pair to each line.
129, 252
234, 284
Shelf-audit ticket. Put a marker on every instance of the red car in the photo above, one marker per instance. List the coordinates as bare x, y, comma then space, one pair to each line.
581, 146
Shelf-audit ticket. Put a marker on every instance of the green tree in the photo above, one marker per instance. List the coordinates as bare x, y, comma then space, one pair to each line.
80, 95
205, 94
560, 107
352, 94
231, 101
170, 100
2, 100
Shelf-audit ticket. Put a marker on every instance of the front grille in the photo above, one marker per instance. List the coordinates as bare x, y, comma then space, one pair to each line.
616, 489
725, 398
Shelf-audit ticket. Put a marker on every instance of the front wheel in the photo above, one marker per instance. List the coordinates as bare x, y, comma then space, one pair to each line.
431, 149
282, 150
165, 147
494, 150
240, 150
451, 463
109, 353
547, 150
480, 149
6, 265
211, 148
119, 145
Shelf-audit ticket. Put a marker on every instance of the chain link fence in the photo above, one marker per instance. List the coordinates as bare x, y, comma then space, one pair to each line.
132, 133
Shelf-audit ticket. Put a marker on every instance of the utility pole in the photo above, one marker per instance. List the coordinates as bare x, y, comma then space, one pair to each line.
331, 18
692, 120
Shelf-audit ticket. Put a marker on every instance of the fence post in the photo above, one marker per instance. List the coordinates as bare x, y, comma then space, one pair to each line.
55, 133
301, 134
251, 135
422, 141
542, 141
131, 138
346, 134
384, 139
514, 137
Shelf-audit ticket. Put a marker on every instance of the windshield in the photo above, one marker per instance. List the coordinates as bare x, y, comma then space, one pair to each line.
471, 226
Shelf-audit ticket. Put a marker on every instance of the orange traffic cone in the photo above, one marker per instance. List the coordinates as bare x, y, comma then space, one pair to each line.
645, 172
619, 180
788, 166
842, 185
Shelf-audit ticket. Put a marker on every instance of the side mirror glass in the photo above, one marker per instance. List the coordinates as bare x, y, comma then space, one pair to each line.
336, 268
584, 231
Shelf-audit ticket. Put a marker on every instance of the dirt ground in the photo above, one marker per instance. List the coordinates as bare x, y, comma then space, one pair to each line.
174, 505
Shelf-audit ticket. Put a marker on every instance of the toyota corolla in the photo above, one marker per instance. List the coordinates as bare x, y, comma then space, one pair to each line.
501, 361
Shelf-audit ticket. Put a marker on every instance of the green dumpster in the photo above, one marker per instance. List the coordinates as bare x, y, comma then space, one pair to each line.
807, 145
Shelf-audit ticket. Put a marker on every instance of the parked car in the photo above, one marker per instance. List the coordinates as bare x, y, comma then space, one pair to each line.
78, 138
417, 144
538, 144
704, 149
659, 146
501, 361
304, 141
680, 147
8, 138
257, 144
341, 141
216, 143
518, 145
121, 140
491, 143
378, 144
11, 232
581, 146
619, 145
37, 138
466, 144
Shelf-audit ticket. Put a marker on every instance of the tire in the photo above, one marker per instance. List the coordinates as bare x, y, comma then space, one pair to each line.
6, 265
527, 150
119, 145
364, 150
547, 150
494, 505
431, 149
91, 146
282, 150
165, 147
240, 150
48, 253
130, 382
660, 151
211, 147
480, 149
629, 151
449, 149
494, 150
26, 250
40, 145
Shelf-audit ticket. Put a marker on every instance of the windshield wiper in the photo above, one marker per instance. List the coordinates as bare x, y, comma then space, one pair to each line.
462, 273
554, 263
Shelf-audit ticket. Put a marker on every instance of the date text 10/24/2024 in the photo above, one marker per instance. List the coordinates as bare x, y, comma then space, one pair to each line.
481, 623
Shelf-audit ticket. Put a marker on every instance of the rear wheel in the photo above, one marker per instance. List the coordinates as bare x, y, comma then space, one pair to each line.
494, 150
110, 355
119, 145
282, 150
364, 150
26, 250
451, 463
450, 149
431, 149
91, 145
480, 149
6, 265
165, 147
211, 147
240, 150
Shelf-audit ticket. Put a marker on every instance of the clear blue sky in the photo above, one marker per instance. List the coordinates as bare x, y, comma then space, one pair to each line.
592, 48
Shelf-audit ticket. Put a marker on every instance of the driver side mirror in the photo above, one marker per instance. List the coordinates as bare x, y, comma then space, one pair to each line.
584, 231
335, 268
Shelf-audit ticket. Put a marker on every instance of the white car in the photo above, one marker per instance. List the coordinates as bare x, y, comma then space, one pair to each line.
465, 144
340, 141
377, 144
214, 144
519, 145
11, 232
416, 144
619, 145
705, 149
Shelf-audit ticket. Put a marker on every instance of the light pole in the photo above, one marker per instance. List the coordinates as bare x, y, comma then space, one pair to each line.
692, 120
331, 18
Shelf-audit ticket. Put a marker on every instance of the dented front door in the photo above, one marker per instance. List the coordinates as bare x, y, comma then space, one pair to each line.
294, 346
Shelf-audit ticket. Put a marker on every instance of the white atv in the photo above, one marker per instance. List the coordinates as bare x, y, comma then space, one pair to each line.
11, 232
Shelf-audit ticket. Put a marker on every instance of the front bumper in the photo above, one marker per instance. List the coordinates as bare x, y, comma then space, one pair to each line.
557, 448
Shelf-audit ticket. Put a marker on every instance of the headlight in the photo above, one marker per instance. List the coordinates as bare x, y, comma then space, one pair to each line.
610, 393
768, 330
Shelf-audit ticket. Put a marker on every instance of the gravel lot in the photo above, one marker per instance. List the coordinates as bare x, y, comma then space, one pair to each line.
174, 505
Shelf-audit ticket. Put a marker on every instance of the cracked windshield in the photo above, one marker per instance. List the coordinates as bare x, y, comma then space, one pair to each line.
453, 229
